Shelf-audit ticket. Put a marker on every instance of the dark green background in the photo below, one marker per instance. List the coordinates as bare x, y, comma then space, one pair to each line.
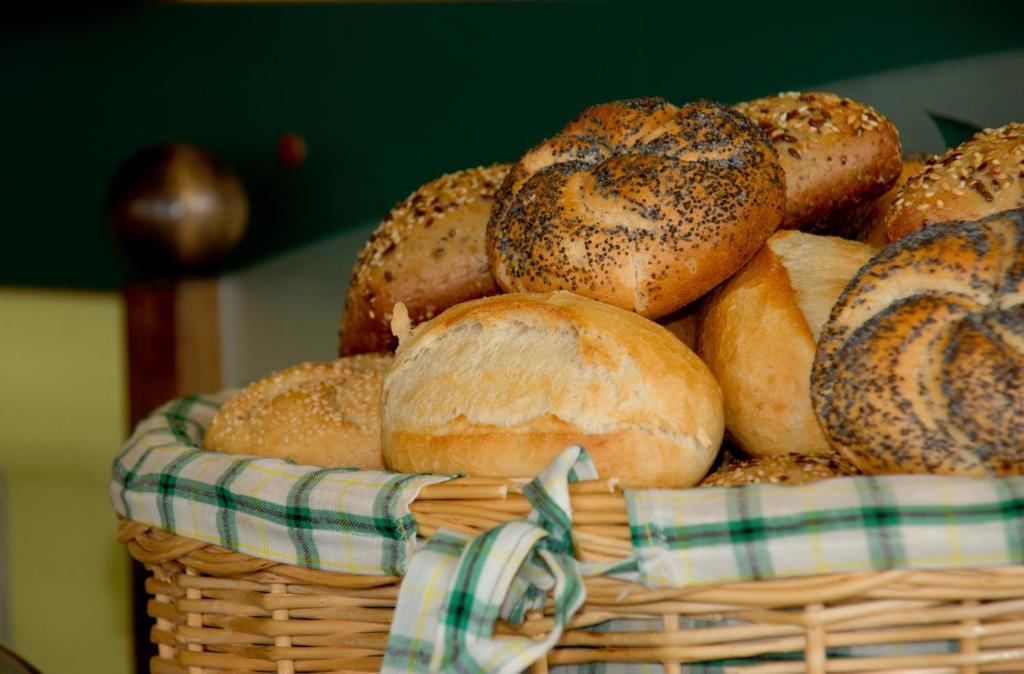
386, 96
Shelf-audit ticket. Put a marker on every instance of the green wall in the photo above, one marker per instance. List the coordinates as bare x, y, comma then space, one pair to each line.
62, 420
388, 95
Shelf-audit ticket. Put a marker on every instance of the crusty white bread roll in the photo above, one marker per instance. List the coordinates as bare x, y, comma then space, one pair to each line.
499, 386
785, 469
637, 203
920, 367
318, 414
427, 253
834, 151
980, 177
758, 337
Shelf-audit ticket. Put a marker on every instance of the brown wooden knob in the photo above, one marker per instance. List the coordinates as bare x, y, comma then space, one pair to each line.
176, 207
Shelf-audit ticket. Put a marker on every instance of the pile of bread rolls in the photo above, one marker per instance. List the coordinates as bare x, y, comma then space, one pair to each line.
656, 282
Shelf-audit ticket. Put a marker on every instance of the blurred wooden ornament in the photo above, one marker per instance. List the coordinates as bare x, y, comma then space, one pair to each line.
175, 208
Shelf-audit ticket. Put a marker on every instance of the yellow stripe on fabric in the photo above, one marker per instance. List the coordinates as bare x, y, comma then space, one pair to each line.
257, 551
193, 511
261, 484
509, 646
963, 560
271, 472
952, 532
340, 500
679, 520
429, 591
821, 564
209, 468
353, 480
349, 567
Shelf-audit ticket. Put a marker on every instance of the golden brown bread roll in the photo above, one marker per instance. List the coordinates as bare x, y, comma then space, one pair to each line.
637, 203
920, 367
980, 177
499, 386
781, 469
759, 333
428, 253
320, 414
835, 152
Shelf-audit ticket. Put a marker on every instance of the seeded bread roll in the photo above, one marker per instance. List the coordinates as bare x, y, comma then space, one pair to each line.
781, 469
980, 177
499, 386
638, 204
835, 152
759, 333
318, 414
920, 367
871, 228
428, 253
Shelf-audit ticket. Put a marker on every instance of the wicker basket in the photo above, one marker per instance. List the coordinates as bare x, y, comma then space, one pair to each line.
220, 611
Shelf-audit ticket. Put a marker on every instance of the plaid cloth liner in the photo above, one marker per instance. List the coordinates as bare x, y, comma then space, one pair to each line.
705, 536
334, 519
456, 587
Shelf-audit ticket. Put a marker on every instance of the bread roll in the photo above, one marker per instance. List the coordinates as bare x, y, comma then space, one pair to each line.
684, 324
920, 367
759, 333
871, 229
500, 386
639, 204
428, 253
781, 469
318, 414
835, 152
980, 177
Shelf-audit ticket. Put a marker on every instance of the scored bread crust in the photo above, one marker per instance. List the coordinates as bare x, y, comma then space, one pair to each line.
639, 204
319, 414
835, 152
980, 177
921, 365
758, 337
427, 253
499, 386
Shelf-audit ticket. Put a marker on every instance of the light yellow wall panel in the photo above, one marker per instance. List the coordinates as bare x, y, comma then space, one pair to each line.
63, 402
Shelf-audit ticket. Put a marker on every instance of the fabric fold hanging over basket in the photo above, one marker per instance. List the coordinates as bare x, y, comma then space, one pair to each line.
261, 565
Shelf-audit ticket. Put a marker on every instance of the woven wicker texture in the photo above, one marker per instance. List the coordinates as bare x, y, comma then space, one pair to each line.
219, 611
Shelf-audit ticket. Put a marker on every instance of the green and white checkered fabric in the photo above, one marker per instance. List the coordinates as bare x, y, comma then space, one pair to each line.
704, 536
335, 519
458, 586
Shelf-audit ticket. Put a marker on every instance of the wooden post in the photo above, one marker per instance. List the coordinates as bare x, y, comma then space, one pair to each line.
173, 350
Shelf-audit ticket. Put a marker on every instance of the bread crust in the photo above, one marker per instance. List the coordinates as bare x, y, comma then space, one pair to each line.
759, 344
498, 386
754, 339
427, 253
980, 177
921, 365
786, 469
319, 414
835, 153
638, 204
871, 227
